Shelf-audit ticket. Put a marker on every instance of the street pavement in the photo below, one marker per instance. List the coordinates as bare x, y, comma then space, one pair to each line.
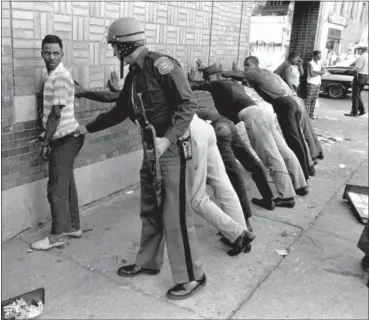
320, 278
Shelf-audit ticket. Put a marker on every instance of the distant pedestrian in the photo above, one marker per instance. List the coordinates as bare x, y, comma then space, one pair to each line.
291, 70
314, 80
360, 80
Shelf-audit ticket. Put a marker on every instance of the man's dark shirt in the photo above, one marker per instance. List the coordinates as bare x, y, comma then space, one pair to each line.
167, 97
229, 96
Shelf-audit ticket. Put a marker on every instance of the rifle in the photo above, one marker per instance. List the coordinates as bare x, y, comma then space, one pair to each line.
149, 143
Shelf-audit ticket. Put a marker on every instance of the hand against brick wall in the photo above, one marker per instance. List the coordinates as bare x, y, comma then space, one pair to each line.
113, 82
191, 76
200, 65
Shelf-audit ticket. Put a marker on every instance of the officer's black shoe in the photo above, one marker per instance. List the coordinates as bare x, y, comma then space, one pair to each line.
265, 203
302, 191
311, 171
230, 244
320, 156
133, 270
241, 243
351, 114
185, 290
365, 263
315, 161
362, 113
287, 203
248, 225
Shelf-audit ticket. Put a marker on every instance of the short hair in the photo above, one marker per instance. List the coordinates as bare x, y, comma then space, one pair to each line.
316, 52
50, 38
254, 60
293, 55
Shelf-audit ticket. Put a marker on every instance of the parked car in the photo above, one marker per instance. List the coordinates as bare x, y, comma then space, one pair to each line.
337, 82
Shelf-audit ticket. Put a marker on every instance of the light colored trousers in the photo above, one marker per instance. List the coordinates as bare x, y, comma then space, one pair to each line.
273, 150
209, 166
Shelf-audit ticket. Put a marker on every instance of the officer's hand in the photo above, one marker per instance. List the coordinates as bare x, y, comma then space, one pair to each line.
45, 152
78, 89
113, 82
82, 130
162, 145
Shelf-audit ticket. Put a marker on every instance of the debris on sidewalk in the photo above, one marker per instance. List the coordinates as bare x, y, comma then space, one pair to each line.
29, 250
129, 192
342, 165
329, 118
357, 196
283, 252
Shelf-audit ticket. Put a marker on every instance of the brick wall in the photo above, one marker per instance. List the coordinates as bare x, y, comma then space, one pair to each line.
185, 30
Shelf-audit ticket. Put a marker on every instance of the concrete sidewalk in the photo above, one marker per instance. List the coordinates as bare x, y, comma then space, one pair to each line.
320, 278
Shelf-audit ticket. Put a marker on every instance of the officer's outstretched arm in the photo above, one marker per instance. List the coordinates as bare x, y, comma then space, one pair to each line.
179, 94
114, 116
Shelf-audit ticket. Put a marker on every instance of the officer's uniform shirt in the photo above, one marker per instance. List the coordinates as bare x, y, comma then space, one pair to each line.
229, 97
166, 95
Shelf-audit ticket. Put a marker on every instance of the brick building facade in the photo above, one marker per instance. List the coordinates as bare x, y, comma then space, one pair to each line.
213, 31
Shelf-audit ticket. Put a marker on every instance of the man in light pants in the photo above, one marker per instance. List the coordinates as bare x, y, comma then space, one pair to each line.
208, 166
270, 146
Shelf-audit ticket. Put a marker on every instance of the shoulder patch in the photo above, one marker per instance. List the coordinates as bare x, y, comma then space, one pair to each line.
164, 65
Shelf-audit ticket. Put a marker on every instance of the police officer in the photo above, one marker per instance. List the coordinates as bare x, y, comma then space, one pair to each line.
159, 84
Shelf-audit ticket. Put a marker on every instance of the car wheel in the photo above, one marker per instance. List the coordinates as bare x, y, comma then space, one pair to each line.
336, 92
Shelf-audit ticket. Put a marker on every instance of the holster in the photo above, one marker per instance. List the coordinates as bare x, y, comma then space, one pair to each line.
185, 145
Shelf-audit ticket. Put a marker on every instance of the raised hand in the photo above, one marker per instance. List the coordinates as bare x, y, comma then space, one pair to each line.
113, 82
200, 64
191, 76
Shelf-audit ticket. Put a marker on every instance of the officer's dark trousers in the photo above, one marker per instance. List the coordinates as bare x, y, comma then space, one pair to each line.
289, 118
357, 87
231, 148
61, 187
174, 221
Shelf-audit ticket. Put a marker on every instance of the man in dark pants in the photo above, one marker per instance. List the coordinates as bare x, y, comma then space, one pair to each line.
61, 144
159, 84
360, 81
229, 142
275, 91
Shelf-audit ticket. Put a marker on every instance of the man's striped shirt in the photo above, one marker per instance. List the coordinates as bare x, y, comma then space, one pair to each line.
59, 90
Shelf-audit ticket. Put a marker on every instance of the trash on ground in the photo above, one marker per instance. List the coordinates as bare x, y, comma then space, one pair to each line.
283, 252
20, 309
129, 192
342, 165
336, 139
357, 196
29, 250
329, 118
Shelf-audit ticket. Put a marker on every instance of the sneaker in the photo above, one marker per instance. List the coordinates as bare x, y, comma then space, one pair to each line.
45, 244
73, 234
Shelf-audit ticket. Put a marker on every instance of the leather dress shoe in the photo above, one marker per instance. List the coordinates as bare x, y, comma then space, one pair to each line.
265, 203
350, 114
287, 203
241, 243
302, 191
315, 161
133, 270
224, 240
320, 156
185, 290
361, 114
311, 171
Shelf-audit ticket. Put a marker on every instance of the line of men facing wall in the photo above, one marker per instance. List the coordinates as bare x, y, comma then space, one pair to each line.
185, 147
